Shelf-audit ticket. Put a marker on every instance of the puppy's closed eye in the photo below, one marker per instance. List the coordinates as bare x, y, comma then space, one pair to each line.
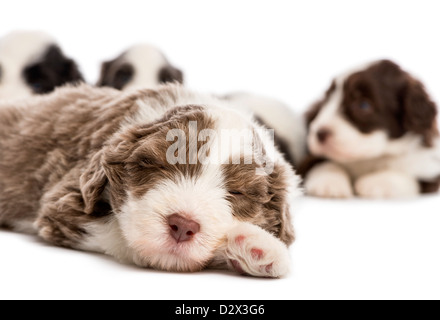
151, 163
259, 195
244, 184
254, 194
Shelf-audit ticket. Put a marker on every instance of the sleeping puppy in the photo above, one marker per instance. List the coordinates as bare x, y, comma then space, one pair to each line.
376, 134
141, 66
289, 127
149, 177
32, 63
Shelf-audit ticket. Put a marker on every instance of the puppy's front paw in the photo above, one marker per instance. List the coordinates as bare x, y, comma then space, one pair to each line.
253, 251
328, 180
387, 184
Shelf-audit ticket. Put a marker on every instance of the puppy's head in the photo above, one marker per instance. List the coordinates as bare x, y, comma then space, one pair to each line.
32, 63
366, 113
176, 189
142, 66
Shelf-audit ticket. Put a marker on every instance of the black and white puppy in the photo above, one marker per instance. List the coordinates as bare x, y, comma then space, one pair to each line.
141, 66
376, 133
32, 63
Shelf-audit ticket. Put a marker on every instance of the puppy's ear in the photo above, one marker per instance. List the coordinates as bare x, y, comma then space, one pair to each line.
70, 72
170, 74
66, 70
419, 111
115, 74
93, 182
106, 169
287, 234
279, 181
104, 78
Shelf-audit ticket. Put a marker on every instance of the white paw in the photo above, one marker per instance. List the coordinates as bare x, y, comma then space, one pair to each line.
253, 251
328, 180
387, 184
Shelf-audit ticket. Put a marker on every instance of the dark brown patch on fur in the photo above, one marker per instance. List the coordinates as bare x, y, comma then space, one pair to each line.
5, 226
263, 199
307, 164
427, 187
397, 102
116, 73
170, 74
53, 70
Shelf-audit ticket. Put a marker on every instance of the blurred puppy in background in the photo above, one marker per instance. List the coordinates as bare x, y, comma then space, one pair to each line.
374, 134
141, 66
31, 63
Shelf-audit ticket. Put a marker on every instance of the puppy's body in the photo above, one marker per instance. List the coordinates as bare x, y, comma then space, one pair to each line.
377, 134
33, 63
87, 169
414, 170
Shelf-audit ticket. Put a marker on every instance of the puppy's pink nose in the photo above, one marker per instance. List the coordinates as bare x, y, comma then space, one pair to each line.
182, 229
323, 135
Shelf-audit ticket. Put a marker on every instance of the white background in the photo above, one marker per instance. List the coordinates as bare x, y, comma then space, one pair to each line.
286, 49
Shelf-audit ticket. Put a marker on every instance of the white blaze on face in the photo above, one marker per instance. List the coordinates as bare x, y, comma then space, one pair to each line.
147, 62
345, 143
18, 50
201, 199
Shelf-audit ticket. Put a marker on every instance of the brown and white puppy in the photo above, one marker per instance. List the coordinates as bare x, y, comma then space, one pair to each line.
32, 63
141, 66
146, 177
376, 134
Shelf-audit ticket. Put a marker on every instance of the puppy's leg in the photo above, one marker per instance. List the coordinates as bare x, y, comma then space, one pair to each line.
387, 184
248, 249
328, 180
